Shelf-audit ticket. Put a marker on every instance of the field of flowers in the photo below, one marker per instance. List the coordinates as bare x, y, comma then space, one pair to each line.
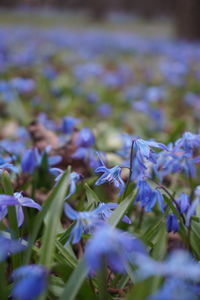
99, 175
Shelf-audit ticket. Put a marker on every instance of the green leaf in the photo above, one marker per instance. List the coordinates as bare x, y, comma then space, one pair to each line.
12, 217
58, 192
119, 212
160, 243
141, 290
75, 281
54, 213
70, 259
195, 238
92, 198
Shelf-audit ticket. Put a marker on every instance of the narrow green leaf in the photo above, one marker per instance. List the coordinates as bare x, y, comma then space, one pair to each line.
120, 210
141, 290
54, 213
195, 238
12, 217
57, 192
71, 260
102, 282
92, 198
3, 292
75, 281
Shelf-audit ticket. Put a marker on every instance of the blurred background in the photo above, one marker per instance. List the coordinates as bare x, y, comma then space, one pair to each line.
181, 16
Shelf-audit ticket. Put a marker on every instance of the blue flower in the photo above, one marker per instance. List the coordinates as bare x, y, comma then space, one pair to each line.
29, 282
18, 201
105, 210
189, 141
175, 161
179, 264
126, 145
32, 159
104, 110
85, 138
148, 197
74, 178
193, 207
6, 165
183, 202
85, 222
143, 149
57, 173
172, 223
86, 154
69, 124
9, 246
175, 289
142, 153
112, 246
110, 175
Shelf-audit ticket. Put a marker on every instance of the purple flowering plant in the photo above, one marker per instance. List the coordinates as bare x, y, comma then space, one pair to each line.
100, 200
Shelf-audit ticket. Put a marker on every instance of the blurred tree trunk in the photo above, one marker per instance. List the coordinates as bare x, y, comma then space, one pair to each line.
188, 19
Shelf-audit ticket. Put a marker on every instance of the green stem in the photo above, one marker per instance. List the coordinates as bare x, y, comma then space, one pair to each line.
3, 283
12, 218
102, 282
130, 173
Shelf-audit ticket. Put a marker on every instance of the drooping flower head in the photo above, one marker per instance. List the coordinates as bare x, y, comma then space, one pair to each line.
188, 141
32, 159
29, 282
9, 246
85, 138
143, 153
68, 124
172, 223
148, 197
179, 264
113, 247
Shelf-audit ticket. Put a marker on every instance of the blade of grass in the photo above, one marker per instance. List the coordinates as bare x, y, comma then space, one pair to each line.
75, 281
54, 213
57, 192
12, 218
121, 210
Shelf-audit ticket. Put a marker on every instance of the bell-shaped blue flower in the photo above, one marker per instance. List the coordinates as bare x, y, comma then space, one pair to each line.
29, 282
172, 223
69, 124
112, 246
179, 264
9, 246
189, 141
74, 178
85, 138
176, 289
183, 202
148, 197
142, 152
